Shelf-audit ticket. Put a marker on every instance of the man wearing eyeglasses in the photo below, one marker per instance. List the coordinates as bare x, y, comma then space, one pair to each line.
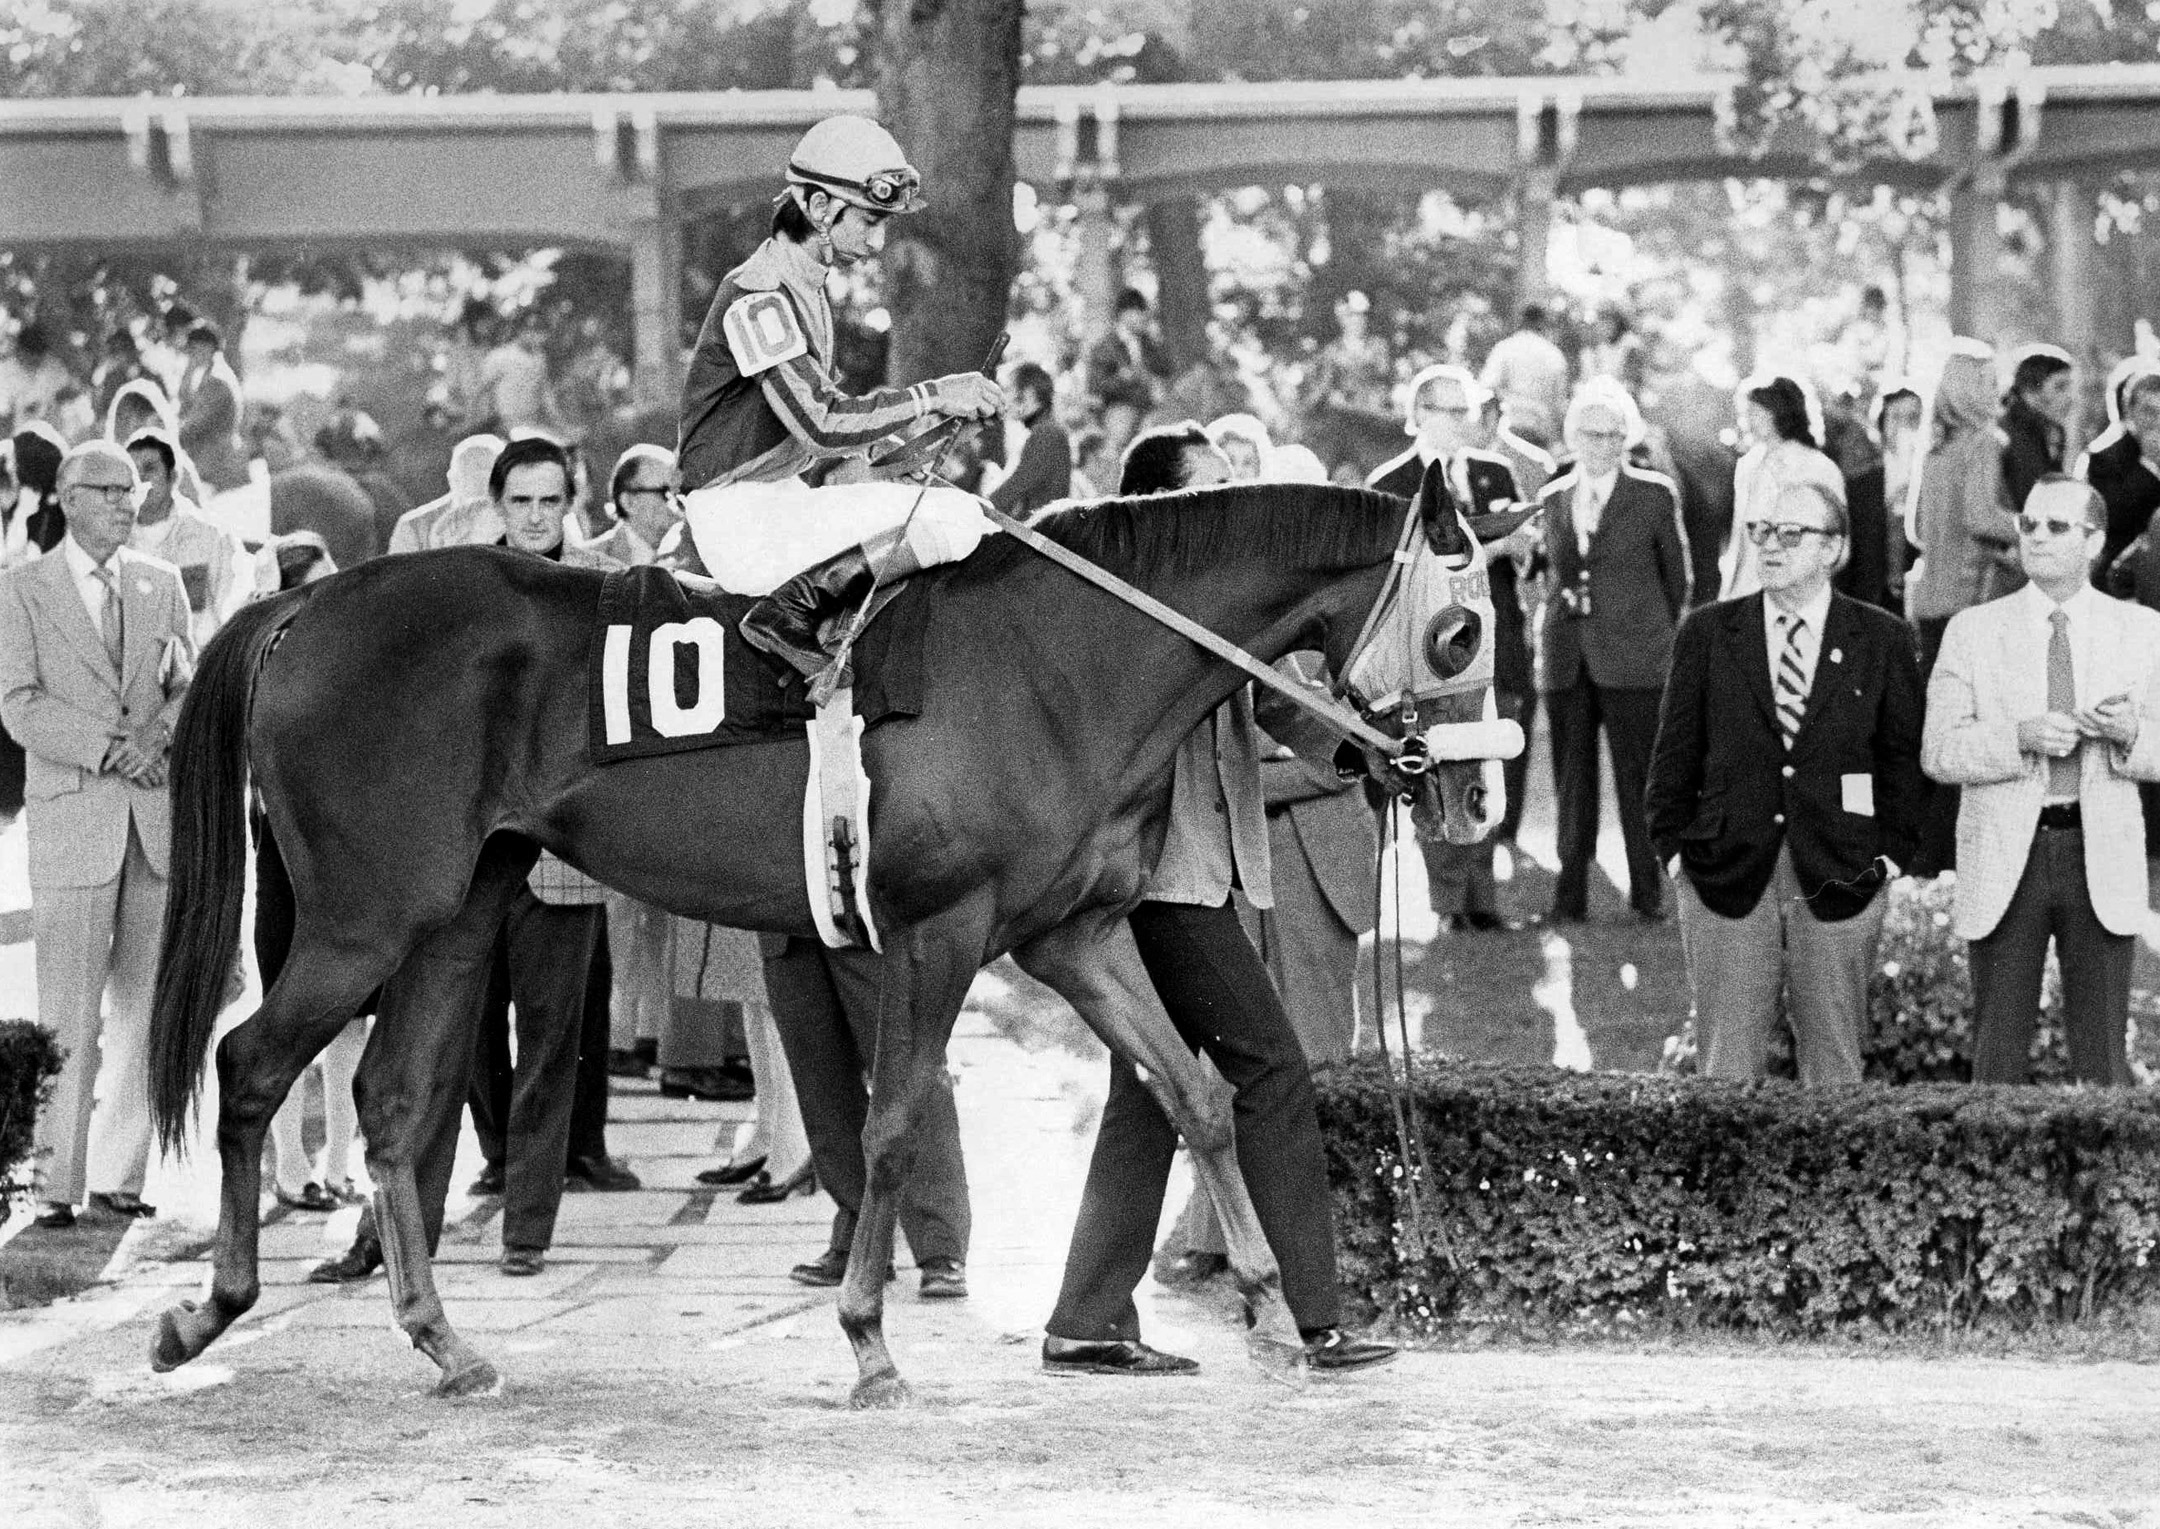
94, 660
1617, 581
2042, 707
643, 505
773, 453
1785, 795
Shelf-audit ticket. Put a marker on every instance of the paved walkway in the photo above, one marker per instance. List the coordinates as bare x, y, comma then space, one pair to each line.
674, 1255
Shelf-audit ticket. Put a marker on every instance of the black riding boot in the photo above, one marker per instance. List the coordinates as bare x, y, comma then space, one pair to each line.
785, 622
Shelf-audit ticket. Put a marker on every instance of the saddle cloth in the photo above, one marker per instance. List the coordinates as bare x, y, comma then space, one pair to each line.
670, 671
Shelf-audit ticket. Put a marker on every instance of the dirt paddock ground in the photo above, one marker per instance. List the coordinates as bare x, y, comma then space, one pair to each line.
752, 1428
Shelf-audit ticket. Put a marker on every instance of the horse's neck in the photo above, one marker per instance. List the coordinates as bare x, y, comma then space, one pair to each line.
1157, 702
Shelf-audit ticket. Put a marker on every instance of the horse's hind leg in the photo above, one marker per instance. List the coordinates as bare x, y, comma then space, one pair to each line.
927, 972
313, 998
1096, 967
410, 1088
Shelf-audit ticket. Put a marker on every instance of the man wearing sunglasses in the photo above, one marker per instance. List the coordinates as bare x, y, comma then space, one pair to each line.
2042, 707
1785, 794
774, 452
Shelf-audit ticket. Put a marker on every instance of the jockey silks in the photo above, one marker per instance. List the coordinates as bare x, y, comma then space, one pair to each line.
760, 403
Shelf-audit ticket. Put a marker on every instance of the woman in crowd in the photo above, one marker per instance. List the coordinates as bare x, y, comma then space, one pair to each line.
1961, 526
1783, 429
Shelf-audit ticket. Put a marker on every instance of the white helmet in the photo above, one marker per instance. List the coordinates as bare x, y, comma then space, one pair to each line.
857, 161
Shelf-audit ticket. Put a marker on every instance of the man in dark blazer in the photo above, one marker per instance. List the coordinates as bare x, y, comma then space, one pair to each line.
1784, 794
1445, 404
1617, 571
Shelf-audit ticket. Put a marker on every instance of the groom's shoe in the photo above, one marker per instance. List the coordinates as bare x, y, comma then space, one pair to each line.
1073, 1356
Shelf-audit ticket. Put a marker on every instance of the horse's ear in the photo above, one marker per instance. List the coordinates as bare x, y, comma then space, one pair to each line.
1436, 513
1502, 523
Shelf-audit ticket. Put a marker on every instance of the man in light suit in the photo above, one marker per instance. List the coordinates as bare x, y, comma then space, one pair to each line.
1617, 563
2045, 707
94, 660
466, 514
1784, 795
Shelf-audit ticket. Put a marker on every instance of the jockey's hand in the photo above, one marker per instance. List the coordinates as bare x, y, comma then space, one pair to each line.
967, 395
852, 470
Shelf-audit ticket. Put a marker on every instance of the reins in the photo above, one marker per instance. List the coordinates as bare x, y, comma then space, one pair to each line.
1407, 753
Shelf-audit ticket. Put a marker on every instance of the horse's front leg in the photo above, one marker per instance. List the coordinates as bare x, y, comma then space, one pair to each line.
927, 971
1095, 966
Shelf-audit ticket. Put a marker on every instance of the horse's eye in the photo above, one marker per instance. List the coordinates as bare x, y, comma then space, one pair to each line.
1453, 640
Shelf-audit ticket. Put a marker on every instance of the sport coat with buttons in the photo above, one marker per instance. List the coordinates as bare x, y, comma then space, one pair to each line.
1992, 673
1725, 794
1639, 582
64, 704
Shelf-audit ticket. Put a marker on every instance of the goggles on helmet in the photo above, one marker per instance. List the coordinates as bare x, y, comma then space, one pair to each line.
886, 191
892, 188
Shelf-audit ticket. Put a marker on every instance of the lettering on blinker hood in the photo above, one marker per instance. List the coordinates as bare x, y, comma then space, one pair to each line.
1434, 636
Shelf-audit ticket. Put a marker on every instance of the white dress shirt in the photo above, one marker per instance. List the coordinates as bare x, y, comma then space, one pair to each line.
1591, 497
2039, 610
87, 585
1808, 647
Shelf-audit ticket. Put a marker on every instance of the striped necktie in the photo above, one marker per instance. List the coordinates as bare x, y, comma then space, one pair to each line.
110, 619
1791, 684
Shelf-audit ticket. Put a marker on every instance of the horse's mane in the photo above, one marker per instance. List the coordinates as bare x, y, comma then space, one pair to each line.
1304, 525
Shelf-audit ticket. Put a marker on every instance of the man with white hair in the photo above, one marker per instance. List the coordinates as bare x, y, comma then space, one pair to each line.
1445, 404
465, 514
1619, 577
94, 661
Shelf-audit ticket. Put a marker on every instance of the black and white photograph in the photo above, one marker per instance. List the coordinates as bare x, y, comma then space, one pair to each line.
1068, 764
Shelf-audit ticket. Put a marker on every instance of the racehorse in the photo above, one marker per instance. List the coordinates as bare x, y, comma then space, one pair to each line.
417, 730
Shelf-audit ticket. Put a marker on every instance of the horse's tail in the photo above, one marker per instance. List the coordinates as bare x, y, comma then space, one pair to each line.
208, 872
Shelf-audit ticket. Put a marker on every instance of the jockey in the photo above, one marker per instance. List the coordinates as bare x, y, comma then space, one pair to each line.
762, 414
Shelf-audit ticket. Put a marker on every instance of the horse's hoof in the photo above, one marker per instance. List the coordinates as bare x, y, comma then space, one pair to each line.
476, 1379
170, 1348
881, 1392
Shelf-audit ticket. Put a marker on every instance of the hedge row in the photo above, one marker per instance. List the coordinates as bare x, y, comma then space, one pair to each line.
1560, 1201
29, 1061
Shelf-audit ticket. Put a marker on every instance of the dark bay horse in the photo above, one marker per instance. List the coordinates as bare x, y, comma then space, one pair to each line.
417, 731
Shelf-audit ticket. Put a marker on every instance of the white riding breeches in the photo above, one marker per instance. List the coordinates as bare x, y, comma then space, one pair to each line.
754, 537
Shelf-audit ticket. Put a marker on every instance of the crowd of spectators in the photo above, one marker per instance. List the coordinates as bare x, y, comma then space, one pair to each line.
1933, 594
